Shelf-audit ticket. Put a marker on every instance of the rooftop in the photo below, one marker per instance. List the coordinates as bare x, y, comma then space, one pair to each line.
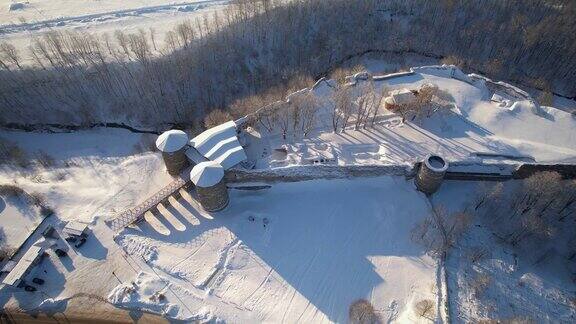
207, 174
171, 141
220, 144
23, 265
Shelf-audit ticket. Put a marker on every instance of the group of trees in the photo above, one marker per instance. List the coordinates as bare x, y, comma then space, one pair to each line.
257, 45
536, 216
429, 99
358, 104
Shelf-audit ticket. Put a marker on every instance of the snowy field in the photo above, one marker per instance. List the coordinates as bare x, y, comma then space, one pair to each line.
18, 218
36, 17
300, 252
95, 172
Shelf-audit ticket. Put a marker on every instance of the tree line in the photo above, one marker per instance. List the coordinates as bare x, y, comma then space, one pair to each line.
258, 50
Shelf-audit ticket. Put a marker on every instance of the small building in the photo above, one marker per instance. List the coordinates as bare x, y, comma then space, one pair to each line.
396, 98
76, 229
208, 178
173, 145
31, 258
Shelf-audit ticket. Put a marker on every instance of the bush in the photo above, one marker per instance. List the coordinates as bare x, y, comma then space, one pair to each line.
147, 143
441, 230
362, 312
217, 117
44, 159
11, 153
480, 283
6, 252
453, 60
13, 191
425, 308
546, 98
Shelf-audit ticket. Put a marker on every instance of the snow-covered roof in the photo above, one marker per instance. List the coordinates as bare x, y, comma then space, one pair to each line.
220, 144
497, 98
75, 228
402, 96
207, 174
171, 141
21, 268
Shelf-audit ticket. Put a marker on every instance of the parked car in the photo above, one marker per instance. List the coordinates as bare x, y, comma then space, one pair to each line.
38, 281
80, 242
30, 288
60, 252
71, 239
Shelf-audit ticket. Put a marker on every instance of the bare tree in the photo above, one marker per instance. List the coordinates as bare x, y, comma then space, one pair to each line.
362, 312
9, 53
425, 308
343, 107
304, 109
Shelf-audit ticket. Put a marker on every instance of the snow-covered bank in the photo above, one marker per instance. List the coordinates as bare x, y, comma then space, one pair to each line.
95, 172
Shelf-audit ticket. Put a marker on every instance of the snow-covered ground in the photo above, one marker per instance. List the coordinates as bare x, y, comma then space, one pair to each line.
18, 218
96, 173
299, 252
488, 280
474, 129
296, 251
36, 17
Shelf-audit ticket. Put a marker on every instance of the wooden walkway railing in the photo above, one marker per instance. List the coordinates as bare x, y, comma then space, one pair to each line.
136, 214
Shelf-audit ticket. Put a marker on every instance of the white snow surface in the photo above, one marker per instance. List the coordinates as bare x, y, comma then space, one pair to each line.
517, 289
97, 172
470, 124
207, 174
18, 218
220, 144
144, 293
36, 17
171, 141
298, 252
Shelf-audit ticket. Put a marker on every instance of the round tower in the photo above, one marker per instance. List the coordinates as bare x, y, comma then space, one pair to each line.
172, 144
431, 174
208, 179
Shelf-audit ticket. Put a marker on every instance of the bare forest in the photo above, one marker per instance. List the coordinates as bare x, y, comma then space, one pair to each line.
254, 52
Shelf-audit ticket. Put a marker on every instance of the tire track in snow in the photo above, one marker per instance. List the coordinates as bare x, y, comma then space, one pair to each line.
258, 288
324, 287
226, 255
187, 257
301, 278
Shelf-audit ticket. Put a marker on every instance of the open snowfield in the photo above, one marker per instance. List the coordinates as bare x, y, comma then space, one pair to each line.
311, 249
36, 17
95, 172
18, 219
300, 252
